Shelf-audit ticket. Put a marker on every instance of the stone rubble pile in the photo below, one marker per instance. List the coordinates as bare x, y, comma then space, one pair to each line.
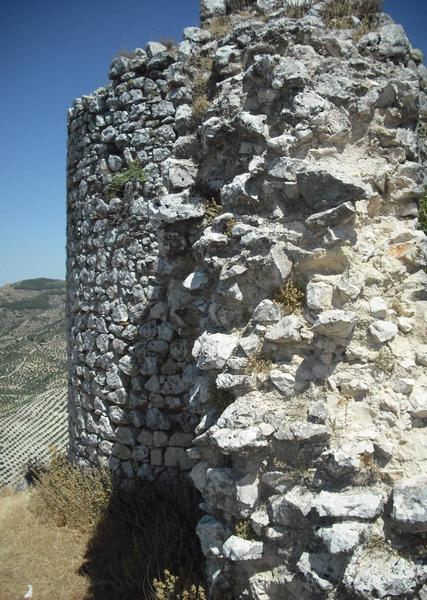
250, 306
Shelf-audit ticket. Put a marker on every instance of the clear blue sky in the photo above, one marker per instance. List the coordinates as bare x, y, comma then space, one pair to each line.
52, 51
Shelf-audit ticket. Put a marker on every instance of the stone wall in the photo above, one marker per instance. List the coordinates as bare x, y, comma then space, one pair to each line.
252, 306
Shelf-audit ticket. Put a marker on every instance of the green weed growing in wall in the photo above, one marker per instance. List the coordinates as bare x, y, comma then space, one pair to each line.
134, 173
422, 212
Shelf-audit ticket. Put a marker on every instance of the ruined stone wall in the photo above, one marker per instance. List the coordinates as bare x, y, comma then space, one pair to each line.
252, 307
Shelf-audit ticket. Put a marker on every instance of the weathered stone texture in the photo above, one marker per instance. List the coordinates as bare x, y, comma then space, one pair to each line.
306, 419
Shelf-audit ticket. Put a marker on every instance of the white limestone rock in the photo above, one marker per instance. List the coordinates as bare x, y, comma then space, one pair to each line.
237, 549
383, 331
378, 307
362, 505
410, 504
418, 404
335, 323
341, 537
319, 296
285, 382
267, 311
212, 350
286, 330
195, 281
239, 440
380, 573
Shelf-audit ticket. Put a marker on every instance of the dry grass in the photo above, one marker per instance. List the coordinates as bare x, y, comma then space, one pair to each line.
33, 553
219, 26
201, 82
200, 107
243, 529
68, 496
338, 14
298, 11
385, 360
167, 588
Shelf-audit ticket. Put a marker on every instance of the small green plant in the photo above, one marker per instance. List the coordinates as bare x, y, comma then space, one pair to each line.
290, 297
385, 360
298, 10
134, 173
422, 213
258, 363
243, 529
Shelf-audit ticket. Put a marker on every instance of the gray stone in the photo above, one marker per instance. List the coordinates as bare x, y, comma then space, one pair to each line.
322, 188
335, 323
237, 549
383, 331
363, 505
410, 504
213, 350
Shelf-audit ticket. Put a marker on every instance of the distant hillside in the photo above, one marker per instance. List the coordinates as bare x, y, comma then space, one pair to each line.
32, 362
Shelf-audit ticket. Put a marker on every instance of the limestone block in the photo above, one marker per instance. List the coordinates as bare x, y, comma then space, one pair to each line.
383, 331
286, 330
323, 188
212, 535
335, 323
341, 537
196, 281
140, 453
319, 296
213, 8
239, 440
213, 350
156, 457
363, 505
380, 574
285, 382
288, 509
378, 307
237, 549
410, 504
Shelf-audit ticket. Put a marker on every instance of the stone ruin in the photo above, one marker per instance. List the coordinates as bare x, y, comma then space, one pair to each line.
247, 294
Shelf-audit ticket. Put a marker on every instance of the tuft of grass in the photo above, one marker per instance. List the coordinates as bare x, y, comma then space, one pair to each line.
338, 14
134, 173
422, 213
243, 529
290, 296
298, 11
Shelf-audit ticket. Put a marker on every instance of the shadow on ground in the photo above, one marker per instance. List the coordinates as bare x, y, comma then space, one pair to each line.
147, 528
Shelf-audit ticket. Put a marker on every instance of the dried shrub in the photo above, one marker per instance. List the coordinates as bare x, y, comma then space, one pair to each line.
168, 588
170, 44
258, 363
422, 213
219, 26
338, 14
290, 296
213, 210
228, 226
200, 107
243, 529
134, 173
385, 360
66, 495
298, 11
